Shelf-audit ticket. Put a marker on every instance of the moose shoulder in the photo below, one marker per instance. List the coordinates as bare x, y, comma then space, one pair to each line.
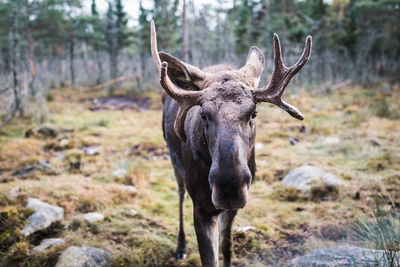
209, 124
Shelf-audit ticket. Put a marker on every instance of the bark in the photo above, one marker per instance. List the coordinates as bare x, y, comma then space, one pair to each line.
13, 39
71, 57
185, 35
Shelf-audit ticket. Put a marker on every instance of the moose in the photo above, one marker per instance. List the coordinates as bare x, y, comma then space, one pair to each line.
209, 125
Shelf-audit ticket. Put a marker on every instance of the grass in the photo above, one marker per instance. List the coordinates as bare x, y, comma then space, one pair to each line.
132, 140
382, 232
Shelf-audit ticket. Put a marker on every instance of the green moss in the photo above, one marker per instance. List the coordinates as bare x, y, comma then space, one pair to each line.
286, 194
148, 251
88, 205
12, 220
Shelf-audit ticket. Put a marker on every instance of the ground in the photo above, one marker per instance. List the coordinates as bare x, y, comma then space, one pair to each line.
353, 132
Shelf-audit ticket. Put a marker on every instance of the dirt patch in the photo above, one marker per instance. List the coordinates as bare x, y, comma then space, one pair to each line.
149, 150
119, 102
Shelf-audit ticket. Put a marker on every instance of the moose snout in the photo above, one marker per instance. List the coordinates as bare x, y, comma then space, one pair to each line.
229, 198
229, 191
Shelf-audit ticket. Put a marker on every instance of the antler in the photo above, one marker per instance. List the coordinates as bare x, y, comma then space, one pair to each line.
154, 50
186, 99
281, 77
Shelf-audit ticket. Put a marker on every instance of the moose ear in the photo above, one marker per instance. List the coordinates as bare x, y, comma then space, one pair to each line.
182, 74
254, 65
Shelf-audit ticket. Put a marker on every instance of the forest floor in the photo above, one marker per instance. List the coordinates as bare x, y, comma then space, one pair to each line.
353, 133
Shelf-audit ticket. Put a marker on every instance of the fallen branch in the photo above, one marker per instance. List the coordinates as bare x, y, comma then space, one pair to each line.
340, 85
110, 82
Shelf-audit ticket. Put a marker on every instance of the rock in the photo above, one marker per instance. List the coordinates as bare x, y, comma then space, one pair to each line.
258, 146
375, 141
91, 150
244, 229
128, 188
84, 257
48, 243
293, 141
133, 212
14, 192
305, 177
43, 131
344, 256
119, 173
331, 140
92, 217
45, 214
30, 169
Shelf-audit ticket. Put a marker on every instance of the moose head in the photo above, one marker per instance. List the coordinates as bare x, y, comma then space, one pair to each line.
227, 114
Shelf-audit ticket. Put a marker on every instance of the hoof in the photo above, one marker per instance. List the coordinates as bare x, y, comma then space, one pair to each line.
181, 254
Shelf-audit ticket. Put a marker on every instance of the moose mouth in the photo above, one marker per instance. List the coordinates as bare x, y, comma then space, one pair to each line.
229, 198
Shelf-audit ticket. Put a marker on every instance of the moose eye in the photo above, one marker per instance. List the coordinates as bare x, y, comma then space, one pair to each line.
203, 116
254, 114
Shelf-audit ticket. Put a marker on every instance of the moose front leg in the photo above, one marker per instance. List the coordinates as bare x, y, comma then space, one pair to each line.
206, 226
225, 222
181, 249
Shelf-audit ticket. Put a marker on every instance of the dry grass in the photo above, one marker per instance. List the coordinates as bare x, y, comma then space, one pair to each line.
286, 224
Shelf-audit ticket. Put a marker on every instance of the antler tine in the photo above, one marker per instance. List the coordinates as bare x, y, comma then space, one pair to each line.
281, 77
186, 100
154, 50
173, 91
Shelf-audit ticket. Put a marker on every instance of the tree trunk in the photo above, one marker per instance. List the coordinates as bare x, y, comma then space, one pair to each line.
71, 57
14, 65
185, 35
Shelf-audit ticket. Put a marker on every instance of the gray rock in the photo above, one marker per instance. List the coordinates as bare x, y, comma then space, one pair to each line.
331, 140
344, 256
48, 243
84, 257
93, 217
128, 188
375, 141
45, 214
14, 192
304, 177
42, 130
119, 173
29, 169
258, 146
91, 150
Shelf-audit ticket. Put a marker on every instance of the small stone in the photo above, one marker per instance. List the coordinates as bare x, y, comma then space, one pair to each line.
331, 140
48, 243
45, 214
84, 257
119, 173
374, 141
244, 229
258, 146
133, 212
92, 217
128, 188
91, 150
14, 192
29, 169
64, 142
293, 141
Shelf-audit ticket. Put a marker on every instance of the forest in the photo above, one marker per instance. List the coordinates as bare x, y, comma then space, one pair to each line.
81, 116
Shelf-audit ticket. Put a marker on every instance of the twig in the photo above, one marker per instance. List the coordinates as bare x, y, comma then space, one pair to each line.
108, 83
